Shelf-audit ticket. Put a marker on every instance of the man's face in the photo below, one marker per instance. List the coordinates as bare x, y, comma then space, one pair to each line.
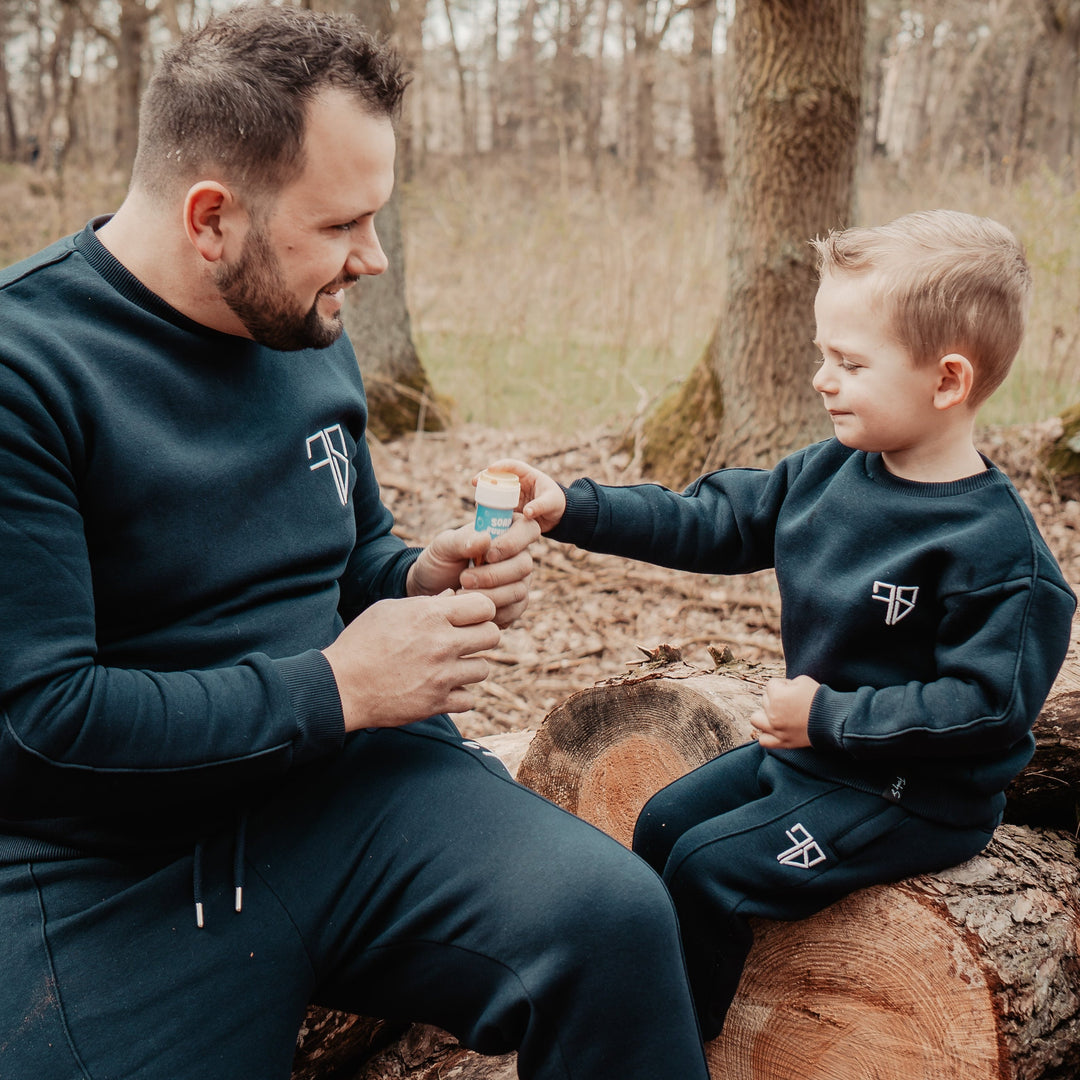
318, 238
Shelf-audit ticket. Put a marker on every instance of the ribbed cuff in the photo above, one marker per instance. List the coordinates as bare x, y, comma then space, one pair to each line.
313, 693
581, 514
828, 712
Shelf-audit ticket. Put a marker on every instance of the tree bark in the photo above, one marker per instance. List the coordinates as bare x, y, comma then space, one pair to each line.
130, 48
1063, 455
708, 148
400, 397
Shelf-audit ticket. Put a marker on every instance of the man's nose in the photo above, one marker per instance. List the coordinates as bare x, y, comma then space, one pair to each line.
367, 257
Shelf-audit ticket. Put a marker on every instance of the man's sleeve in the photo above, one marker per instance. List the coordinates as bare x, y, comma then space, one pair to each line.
75, 733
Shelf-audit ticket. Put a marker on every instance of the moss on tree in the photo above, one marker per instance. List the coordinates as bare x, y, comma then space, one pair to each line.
679, 433
1063, 455
399, 406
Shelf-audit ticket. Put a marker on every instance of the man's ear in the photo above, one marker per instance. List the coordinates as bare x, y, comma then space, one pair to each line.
210, 214
956, 377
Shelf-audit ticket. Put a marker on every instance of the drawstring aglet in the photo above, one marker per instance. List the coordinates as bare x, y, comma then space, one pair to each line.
239, 897
198, 914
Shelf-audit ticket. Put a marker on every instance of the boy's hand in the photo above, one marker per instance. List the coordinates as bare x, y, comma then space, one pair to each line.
781, 722
542, 500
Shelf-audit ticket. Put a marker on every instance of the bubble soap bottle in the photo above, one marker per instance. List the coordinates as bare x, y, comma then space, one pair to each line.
496, 500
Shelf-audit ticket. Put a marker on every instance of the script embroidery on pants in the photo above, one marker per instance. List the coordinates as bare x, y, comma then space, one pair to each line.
335, 455
899, 600
804, 851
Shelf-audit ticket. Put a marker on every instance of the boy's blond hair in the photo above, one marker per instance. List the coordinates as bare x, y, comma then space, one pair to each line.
948, 281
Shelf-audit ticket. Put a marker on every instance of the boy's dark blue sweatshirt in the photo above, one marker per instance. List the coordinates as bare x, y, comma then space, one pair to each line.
933, 615
186, 519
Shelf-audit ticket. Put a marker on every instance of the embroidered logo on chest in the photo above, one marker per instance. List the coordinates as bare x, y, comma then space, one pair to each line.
326, 449
899, 600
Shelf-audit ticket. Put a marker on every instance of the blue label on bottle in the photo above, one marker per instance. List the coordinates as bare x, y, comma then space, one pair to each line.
492, 521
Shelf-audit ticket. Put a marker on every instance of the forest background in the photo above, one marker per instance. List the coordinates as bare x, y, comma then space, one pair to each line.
561, 241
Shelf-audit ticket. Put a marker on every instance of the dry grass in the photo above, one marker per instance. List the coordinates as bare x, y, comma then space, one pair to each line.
560, 304
541, 299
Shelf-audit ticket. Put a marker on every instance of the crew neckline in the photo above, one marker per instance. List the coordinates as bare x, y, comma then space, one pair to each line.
879, 474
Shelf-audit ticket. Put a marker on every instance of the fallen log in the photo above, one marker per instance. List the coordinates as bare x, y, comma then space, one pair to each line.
1047, 792
968, 974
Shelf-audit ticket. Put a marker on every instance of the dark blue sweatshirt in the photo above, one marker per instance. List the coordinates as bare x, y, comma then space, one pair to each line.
933, 615
186, 519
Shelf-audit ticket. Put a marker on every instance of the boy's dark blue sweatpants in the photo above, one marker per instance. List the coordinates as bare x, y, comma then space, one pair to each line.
409, 877
748, 835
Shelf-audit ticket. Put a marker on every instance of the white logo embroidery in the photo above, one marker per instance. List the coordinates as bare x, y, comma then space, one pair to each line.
804, 851
899, 600
332, 440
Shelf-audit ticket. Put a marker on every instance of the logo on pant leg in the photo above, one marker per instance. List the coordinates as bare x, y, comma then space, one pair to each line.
804, 850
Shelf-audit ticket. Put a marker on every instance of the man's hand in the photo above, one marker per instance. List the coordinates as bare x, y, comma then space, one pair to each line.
781, 722
542, 500
503, 578
404, 660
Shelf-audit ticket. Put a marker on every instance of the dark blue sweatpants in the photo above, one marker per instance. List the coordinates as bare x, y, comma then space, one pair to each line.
747, 835
409, 877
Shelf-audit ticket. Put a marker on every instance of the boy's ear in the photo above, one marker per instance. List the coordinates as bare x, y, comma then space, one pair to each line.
211, 213
956, 377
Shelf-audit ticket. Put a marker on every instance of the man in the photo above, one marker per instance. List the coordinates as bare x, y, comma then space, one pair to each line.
224, 682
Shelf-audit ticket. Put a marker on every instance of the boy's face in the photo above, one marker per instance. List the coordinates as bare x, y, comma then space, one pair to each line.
876, 397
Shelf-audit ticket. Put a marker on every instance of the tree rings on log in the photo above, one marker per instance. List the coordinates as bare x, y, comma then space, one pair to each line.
969, 974
606, 750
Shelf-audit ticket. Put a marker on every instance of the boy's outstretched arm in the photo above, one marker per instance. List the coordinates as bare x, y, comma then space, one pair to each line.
782, 721
542, 499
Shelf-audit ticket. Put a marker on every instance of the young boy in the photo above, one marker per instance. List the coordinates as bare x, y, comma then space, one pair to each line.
924, 619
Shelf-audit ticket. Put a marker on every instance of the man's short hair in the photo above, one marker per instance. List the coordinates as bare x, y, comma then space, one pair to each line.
946, 282
229, 100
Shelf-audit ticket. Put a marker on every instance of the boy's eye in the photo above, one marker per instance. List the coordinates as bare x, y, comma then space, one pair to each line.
847, 365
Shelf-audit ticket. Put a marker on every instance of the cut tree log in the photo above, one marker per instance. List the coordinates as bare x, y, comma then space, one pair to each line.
1047, 792
968, 974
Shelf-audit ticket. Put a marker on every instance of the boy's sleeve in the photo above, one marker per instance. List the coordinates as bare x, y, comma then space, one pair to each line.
725, 522
999, 650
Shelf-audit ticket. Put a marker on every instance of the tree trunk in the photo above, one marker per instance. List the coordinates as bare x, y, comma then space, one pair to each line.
1062, 21
130, 46
468, 128
1063, 455
400, 398
708, 149
10, 152
795, 97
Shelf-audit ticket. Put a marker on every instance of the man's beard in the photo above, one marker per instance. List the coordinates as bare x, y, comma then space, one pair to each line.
252, 288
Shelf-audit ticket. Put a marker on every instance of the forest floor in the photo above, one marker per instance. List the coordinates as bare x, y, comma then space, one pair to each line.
590, 616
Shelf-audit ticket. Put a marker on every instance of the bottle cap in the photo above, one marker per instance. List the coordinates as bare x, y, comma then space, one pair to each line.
499, 490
